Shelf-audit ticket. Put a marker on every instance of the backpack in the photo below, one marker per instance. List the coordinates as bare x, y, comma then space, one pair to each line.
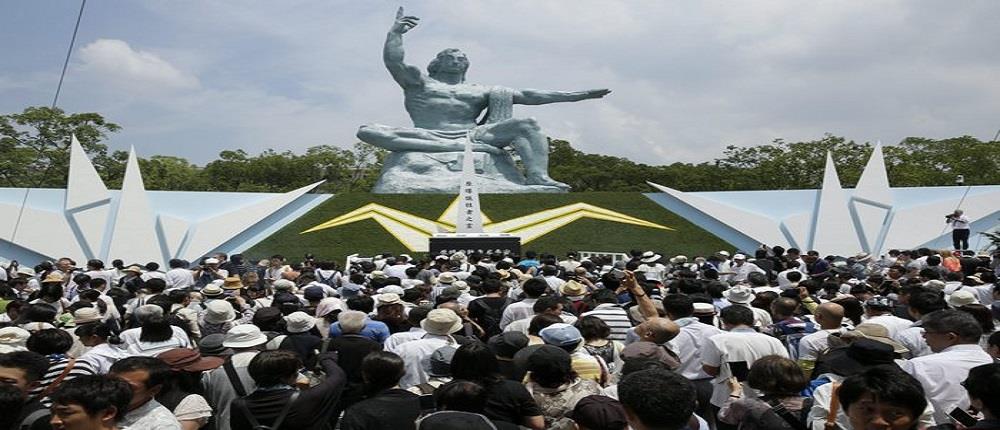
240, 405
487, 316
330, 281
791, 336
33, 417
770, 414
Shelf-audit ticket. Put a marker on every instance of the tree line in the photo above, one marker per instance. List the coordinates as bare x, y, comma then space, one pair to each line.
34, 152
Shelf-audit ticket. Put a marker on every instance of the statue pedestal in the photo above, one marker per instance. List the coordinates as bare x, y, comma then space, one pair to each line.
441, 172
450, 243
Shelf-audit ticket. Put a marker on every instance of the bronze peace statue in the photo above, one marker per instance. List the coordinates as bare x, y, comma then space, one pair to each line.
445, 110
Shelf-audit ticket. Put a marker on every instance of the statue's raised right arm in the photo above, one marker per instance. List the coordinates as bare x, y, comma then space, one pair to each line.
392, 54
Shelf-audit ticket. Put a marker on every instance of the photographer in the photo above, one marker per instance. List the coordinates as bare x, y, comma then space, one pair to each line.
959, 229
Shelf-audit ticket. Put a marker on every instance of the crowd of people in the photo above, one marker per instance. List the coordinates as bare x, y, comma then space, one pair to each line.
772, 339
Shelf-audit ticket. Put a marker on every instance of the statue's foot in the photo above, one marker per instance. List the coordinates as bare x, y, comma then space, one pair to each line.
547, 181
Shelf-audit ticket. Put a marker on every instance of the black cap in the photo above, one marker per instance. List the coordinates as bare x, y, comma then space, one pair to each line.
505, 345
599, 412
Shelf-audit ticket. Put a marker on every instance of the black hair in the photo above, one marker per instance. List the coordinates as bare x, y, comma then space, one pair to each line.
475, 362
176, 263
381, 370
887, 384
551, 366
156, 285
534, 287
417, 314
545, 303
774, 374
604, 295
159, 372
50, 341
461, 395
658, 398
592, 327
33, 364
963, 324
982, 314
540, 321
983, 383
925, 302
269, 368
51, 291
364, 304
994, 340
490, 286
94, 393
155, 328
735, 315
12, 401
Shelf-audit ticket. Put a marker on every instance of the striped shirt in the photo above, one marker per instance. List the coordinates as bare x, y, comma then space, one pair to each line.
57, 365
615, 317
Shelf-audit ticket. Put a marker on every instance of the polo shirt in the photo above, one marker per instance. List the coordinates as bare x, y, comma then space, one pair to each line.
739, 344
941, 375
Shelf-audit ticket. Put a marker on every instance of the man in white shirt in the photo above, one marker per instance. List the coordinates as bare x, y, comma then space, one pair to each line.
398, 269
741, 269
153, 272
959, 229
688, 344
953, 336
878, 310
533, 289
147, 376
651, 268
829, 316
742, 295
178, 276
439, 325
920, 304
549, 274
740, 344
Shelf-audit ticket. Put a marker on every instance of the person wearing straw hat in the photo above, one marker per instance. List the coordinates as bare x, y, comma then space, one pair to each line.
223, 385
742, 295
439, 325
651, 266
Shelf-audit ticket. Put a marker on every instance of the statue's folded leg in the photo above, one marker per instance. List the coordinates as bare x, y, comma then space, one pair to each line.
404, 139
524, 135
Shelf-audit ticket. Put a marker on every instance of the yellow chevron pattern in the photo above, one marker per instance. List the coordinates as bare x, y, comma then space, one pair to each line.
414, 231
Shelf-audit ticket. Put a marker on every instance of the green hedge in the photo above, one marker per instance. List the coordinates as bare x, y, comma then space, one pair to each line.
367, 237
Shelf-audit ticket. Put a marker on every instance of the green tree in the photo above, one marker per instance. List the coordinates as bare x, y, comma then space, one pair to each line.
34, 145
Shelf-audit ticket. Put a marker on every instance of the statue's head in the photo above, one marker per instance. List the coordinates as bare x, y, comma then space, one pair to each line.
450, 60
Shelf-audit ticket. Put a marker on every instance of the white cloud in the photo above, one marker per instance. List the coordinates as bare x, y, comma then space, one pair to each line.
688, 77
114, 62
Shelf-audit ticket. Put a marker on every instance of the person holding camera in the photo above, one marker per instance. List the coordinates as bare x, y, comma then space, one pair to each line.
959, 229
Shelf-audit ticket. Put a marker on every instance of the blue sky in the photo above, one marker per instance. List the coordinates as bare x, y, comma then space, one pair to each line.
192, 78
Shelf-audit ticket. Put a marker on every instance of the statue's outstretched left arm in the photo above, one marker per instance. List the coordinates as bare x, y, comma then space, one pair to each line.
541, 97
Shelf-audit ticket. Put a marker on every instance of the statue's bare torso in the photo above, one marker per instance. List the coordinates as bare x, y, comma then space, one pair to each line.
441, 106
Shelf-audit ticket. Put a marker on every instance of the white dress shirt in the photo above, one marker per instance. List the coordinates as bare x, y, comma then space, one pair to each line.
179, 278
415, 354
518, 310
941, 375
739, 344
687, 345
397, 339
891, 323
912, 338
813, 344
